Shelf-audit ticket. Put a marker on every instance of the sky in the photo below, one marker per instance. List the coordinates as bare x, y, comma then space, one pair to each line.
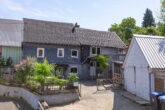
92, 14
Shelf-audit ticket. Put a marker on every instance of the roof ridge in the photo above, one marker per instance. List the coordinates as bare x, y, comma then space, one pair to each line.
147, 36
48, 21
95, 30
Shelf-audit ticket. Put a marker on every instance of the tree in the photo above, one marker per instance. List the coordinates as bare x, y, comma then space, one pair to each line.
148, 19
147, 31
125, 29
161, 24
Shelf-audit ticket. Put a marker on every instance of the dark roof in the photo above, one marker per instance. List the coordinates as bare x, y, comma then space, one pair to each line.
37, 31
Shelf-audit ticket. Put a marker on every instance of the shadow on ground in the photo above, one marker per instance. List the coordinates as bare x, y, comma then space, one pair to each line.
100, 100
8, 103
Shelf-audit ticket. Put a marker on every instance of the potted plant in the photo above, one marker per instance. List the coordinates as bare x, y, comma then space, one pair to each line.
73, 80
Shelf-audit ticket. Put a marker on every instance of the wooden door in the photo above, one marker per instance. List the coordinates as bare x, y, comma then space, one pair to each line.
159, 85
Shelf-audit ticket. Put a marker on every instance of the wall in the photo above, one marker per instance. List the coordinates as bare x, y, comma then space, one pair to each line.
160, 81
14, 52
33, 99
51, 53
83, 70
136, 72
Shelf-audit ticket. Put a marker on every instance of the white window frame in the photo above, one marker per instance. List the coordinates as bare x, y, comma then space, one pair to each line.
76, 51
62, 52
96, 50
74, 67
38, 52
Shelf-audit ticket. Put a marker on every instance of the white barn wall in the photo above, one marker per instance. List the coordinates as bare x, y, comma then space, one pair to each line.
136, 80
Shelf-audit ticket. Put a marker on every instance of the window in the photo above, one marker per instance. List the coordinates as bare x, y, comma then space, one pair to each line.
60, 52
73, 70
74, 53
93, 50
96, 50
40, 52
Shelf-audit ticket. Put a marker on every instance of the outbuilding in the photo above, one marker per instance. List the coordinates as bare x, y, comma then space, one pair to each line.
144, 65
11, 37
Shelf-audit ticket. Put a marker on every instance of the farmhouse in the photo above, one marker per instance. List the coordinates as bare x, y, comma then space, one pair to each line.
144, 65
11, 37
69, 46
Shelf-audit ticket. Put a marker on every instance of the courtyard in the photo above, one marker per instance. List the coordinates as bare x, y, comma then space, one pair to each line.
100, 100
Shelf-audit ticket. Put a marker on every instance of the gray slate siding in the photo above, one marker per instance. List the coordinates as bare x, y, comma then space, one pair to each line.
51, 53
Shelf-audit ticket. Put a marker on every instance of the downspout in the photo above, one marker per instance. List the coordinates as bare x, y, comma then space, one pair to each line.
152, 72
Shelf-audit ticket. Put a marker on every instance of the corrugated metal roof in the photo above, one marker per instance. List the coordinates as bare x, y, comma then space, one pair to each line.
153, 48
11, 32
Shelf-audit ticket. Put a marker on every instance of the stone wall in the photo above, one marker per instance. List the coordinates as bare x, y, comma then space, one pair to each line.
33, 99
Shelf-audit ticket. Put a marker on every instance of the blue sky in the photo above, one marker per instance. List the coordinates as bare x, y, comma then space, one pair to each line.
93, 14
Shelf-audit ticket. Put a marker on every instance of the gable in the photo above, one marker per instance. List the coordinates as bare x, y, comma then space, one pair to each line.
135, 56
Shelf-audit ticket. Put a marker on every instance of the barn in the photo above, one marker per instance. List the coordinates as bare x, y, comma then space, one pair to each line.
144, 65
11, 37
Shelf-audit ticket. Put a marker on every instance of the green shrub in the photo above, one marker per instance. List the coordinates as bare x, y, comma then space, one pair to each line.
45, 69
73, 77
32, 84
2, 62
32, 59
9, 61
51, 79
20, 78
24, 69
60, 82
39, 78
102, 61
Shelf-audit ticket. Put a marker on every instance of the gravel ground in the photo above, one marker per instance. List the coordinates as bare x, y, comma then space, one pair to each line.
100, 100
7, 103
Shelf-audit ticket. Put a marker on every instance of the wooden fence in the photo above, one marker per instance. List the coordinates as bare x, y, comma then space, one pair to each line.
7, 73
51, 88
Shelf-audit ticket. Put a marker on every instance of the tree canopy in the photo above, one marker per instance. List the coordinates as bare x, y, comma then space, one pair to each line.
125, 29
148, 19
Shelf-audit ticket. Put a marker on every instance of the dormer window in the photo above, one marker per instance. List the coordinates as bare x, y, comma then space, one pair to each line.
40, 52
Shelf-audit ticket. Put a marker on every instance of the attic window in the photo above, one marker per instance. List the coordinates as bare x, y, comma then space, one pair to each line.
40, 52
60, 52
74, 53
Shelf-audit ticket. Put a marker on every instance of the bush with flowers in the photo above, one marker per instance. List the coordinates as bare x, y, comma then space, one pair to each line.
33, 73
24, 69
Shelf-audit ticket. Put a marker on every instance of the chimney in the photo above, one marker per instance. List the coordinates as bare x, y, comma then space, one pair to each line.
75, 26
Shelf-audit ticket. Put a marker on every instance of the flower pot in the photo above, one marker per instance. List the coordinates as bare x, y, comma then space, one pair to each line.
61, 77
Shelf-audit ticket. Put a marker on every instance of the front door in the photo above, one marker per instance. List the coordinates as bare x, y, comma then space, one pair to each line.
93, 69
60, 70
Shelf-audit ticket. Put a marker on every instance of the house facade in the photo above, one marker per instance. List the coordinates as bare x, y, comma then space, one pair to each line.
69, 46
144, 69
11, 37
